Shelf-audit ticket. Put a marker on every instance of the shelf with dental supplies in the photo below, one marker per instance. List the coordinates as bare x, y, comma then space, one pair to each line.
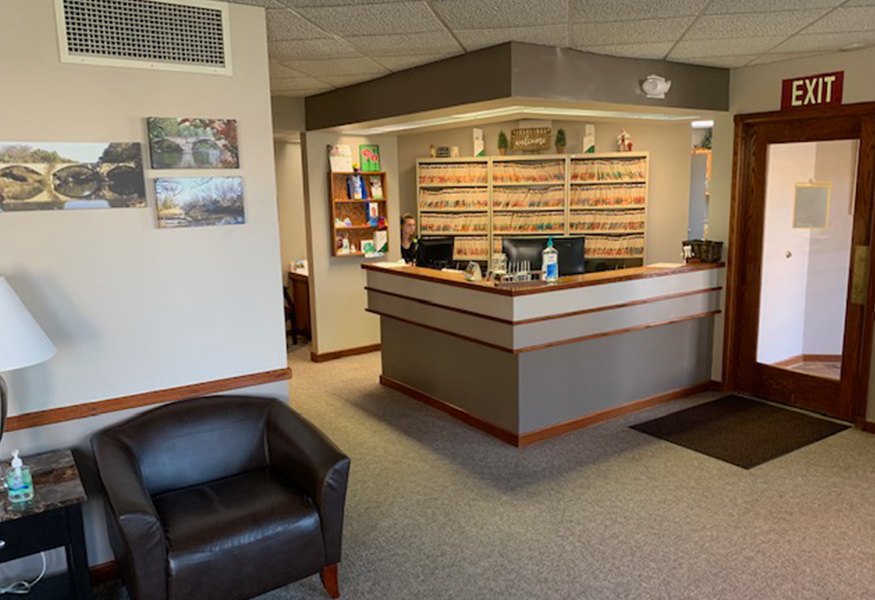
481, 199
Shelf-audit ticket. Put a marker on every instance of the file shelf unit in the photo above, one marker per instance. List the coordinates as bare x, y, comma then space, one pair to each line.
356, 210
479, 200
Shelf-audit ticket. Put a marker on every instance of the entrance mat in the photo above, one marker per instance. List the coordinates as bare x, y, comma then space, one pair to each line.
739, 430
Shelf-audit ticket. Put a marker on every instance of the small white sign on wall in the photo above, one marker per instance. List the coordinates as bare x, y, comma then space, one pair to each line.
811, 205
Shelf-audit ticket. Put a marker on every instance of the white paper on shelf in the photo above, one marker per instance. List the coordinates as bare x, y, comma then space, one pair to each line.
666, 265
391, 264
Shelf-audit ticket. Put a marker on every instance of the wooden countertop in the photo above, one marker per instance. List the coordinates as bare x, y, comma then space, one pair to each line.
538, 287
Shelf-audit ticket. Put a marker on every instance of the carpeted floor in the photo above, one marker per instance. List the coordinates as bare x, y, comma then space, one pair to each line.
437, 510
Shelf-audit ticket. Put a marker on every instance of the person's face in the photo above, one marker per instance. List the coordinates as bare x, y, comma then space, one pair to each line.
409, 227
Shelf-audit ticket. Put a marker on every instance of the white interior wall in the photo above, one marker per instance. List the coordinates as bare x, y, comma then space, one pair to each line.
337, 283
784, 278
290, 201
133, 308
830, 254
669, 181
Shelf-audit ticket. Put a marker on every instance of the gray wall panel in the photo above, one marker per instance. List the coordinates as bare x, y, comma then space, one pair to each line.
472, 377
563, 383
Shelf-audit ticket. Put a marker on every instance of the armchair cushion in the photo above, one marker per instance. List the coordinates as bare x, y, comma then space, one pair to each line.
238, 537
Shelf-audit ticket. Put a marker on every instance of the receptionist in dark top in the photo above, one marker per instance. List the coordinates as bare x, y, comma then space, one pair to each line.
408, 238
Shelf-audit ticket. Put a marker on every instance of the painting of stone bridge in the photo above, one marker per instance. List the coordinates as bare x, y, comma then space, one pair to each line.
191, 143
69, 175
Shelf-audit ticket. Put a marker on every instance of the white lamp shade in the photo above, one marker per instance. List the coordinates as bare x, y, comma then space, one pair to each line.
22, 340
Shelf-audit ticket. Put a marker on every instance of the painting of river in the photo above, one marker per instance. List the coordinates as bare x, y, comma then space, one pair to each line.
199, 201
70, 175
190, 143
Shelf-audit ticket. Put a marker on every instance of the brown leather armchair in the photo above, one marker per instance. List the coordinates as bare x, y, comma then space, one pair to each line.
221, 497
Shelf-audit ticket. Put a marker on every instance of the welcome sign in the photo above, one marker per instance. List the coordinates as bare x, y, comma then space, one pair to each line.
529, 139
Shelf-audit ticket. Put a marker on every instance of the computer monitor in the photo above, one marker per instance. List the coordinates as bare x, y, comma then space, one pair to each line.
529, 248
435, 252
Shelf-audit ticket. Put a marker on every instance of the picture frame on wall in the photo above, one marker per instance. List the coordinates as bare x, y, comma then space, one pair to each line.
199, 201
193, 143
71, 175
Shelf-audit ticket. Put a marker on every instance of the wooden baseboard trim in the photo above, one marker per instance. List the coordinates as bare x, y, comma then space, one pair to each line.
868, 427
454, 411
539, 435
91, 409
104, 572
822, 357
326, 356
532, 437
788, 362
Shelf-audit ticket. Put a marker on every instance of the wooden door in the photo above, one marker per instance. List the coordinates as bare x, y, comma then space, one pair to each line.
755, 267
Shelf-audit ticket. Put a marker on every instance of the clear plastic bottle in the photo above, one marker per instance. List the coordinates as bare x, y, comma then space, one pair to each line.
19, 483
550, 261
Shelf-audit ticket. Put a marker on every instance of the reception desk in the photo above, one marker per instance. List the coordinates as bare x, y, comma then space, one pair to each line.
528, 361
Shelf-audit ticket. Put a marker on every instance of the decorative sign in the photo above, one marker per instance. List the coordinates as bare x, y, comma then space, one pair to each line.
533, 138
812, 90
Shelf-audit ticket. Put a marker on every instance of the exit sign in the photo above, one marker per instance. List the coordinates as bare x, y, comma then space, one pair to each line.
813, 90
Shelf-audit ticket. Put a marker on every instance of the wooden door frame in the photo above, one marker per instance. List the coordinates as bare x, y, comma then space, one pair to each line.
742, 178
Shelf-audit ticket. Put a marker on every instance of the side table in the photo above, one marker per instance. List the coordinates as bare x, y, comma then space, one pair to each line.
51, 520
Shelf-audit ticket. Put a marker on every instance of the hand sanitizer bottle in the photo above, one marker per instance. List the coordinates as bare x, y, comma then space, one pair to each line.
550, 261
18, 481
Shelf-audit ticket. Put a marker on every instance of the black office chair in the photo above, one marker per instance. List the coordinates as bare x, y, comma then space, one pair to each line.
291, 317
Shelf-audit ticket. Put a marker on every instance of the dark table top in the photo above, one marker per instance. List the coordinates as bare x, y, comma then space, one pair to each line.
56, 484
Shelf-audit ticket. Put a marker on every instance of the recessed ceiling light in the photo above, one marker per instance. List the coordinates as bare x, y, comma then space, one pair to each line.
704, 124
854, 46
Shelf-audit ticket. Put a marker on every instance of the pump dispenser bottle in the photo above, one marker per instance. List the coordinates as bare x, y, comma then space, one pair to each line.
550, 261
19, 483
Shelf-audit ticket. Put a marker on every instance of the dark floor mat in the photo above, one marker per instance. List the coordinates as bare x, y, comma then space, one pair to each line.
740, 431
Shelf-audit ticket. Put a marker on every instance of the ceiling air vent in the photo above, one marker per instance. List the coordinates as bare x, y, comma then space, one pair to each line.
148, 34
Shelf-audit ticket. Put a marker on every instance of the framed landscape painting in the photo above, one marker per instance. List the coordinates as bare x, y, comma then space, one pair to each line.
199, 201
71, 175
192, 143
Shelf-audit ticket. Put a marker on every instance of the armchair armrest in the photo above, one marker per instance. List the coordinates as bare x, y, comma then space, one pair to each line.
306, 456
138, 526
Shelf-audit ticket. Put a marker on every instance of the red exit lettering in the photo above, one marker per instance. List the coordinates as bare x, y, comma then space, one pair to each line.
813, 90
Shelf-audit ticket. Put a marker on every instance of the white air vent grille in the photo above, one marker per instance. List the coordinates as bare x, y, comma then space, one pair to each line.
145, 33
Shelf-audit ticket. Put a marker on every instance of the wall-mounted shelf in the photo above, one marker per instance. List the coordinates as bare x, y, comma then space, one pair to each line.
602, 196
360, 212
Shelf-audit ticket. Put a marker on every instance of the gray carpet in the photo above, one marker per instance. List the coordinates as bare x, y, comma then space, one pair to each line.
437, 510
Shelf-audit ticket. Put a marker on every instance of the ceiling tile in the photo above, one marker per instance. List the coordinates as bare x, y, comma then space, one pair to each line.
283, 24
494, 14
340, 66
585, 11
343, 80
860, 3
779, 56
815, 42
374, 19
429, 42
310, 49
399, 63
725, 62
758, 6
547, 35
281, 71
265, 3
843, 20
653, 51
297, 83
749, 25
314, 3
691, 49
651, 30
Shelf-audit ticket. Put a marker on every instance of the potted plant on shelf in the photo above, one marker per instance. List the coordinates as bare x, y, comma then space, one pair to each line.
502, 143
560, 141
